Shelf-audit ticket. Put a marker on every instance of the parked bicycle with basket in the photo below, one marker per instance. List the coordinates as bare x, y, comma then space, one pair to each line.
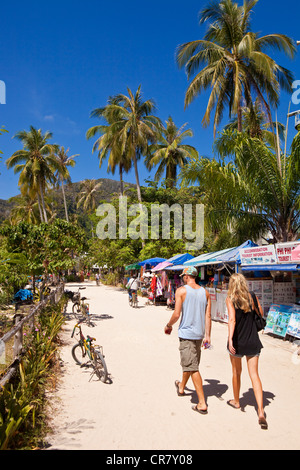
79, 308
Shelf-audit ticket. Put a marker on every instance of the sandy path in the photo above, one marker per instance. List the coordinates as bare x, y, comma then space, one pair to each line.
140, 410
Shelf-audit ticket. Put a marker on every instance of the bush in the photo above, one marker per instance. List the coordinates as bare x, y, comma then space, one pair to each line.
22, 403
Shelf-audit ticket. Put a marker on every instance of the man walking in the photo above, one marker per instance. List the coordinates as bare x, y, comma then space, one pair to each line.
194, 303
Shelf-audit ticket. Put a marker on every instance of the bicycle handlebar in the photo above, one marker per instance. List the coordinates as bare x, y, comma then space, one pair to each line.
90, 339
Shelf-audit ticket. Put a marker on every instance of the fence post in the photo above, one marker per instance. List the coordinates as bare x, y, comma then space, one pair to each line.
18, 343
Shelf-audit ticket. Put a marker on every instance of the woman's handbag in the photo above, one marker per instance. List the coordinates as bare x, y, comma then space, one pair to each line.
260, 322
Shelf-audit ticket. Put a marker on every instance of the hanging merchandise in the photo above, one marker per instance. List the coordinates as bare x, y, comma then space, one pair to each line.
159, 290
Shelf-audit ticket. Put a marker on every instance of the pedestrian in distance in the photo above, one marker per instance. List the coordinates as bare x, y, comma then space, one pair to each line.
243, 340
193, 304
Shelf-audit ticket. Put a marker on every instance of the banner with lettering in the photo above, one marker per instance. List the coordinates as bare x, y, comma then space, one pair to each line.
258, 255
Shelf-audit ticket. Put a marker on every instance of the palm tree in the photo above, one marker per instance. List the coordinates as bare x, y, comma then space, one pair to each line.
134, 126
254, 124
108, 142
169, 152
36, 164
63, 173
25, 210
235, 64
88, 194
255, 194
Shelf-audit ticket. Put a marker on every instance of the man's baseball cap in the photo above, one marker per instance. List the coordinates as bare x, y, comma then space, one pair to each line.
190, 271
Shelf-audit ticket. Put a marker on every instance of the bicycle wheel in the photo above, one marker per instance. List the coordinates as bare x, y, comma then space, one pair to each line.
78, 354
76, 309
100, 366
134, 300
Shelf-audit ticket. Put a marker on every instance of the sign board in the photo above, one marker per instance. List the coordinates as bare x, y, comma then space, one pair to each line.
284, 252
258, 255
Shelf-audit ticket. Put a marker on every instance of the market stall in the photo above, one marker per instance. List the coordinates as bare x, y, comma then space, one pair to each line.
215, 270
166, 279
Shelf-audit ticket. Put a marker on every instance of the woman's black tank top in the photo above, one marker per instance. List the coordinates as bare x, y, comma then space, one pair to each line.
245, 337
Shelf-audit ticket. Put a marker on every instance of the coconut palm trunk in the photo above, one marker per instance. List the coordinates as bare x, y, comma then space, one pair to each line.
64, 198
40, 208
137, 179
43, 201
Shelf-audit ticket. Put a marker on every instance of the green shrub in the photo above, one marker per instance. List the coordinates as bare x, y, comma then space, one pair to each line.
22, 403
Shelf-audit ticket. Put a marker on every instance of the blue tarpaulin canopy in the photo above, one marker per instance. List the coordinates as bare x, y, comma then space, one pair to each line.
180, 259
206, 258
229, 255
152, 261
233, 256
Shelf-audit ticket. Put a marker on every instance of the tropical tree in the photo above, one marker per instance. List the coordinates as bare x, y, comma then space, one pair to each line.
25, 209
169, 152
233, 62
2, 130
88, 195
134, 125
109, 142
256, 194
64, 161
36, 163
254, 124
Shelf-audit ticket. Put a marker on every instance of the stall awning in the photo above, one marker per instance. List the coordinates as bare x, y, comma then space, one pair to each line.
233, 256
132, 266
271, 267
229, 255
206, 258
152, 261
176, 260
177, 267
161, 266
180, 259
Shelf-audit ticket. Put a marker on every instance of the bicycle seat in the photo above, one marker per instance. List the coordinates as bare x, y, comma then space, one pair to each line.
81, 288
83, 298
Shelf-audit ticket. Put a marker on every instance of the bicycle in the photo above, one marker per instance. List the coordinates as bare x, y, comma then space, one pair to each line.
85, 349
82, 308
79, 306
133, 300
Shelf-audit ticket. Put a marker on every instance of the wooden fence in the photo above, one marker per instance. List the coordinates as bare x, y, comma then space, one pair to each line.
17, 332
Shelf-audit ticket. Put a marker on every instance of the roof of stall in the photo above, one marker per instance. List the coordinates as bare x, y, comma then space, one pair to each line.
152, 261
229, 255
173, 262
132, 266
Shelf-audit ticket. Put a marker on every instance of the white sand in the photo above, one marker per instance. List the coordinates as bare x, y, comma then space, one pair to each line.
140, 410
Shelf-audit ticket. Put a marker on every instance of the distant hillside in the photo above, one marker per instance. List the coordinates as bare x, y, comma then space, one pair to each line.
108, 189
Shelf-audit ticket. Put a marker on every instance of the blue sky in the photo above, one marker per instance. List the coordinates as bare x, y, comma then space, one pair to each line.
61, 59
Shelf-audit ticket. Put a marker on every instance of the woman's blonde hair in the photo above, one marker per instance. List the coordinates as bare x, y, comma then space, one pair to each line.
238, 292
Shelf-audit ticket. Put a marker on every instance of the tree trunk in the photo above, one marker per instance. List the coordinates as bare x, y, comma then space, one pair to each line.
121, 180
43, 203
64, 197
40, 208
139, 195
239, 116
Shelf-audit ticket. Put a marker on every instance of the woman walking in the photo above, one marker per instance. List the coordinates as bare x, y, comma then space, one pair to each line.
243, 340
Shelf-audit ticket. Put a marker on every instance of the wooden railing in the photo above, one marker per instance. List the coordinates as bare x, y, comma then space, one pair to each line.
17, 332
